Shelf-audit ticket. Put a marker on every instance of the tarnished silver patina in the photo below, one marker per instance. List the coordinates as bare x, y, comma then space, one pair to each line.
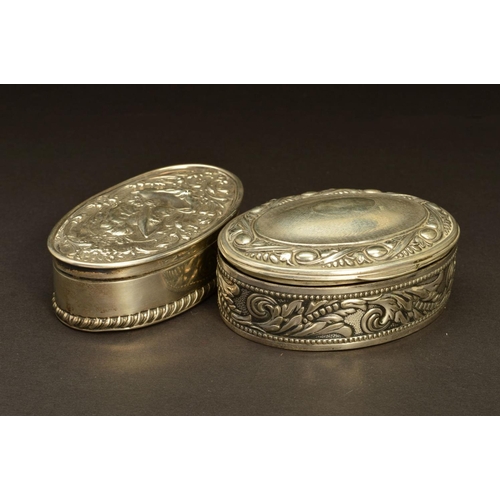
144, 250
337, 269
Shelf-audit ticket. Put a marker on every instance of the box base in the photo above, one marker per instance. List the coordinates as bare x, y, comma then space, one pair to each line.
337, 317
328, 344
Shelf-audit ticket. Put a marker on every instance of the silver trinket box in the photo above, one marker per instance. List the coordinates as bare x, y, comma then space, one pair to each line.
142, 251
337, 269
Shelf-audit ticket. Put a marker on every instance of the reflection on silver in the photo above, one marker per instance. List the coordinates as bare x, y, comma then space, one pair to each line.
339, 269
142, 251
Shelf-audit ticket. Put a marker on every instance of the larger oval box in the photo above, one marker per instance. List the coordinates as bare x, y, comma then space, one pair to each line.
337, 269
142, 251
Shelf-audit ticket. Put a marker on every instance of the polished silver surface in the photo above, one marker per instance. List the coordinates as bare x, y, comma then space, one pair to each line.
337, 269
338, 236
335, 317
150, 216
142, 251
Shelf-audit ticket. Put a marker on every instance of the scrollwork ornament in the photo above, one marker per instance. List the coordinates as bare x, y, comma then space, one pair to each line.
325, 321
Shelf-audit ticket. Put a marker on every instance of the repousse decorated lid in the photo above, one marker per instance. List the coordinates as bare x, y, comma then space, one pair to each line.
148, 217
338, 236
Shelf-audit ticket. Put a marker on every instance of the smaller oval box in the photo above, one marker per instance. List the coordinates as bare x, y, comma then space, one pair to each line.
337, 269
142, 251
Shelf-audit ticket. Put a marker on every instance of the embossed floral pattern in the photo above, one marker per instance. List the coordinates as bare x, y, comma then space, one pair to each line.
323, 317
147, 217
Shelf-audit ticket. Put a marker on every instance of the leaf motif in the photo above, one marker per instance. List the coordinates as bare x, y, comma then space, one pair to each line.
360, 258
296, 320
357, 303
346, 312
404, 301
273, 321
292, 308
276, 312
271, 328
313, 327
244, 320
417, 314
273, 325
333, 318
426, 290
296, 329
390, 307
230, 289
314, 305
400, 318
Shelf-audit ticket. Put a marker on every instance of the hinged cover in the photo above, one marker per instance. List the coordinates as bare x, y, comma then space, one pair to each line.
338, 236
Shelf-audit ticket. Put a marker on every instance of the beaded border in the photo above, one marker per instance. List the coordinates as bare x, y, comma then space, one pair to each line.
351, 340
341, 296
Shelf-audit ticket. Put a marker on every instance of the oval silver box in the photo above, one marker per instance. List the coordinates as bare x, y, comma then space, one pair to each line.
142, 251
337, 269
